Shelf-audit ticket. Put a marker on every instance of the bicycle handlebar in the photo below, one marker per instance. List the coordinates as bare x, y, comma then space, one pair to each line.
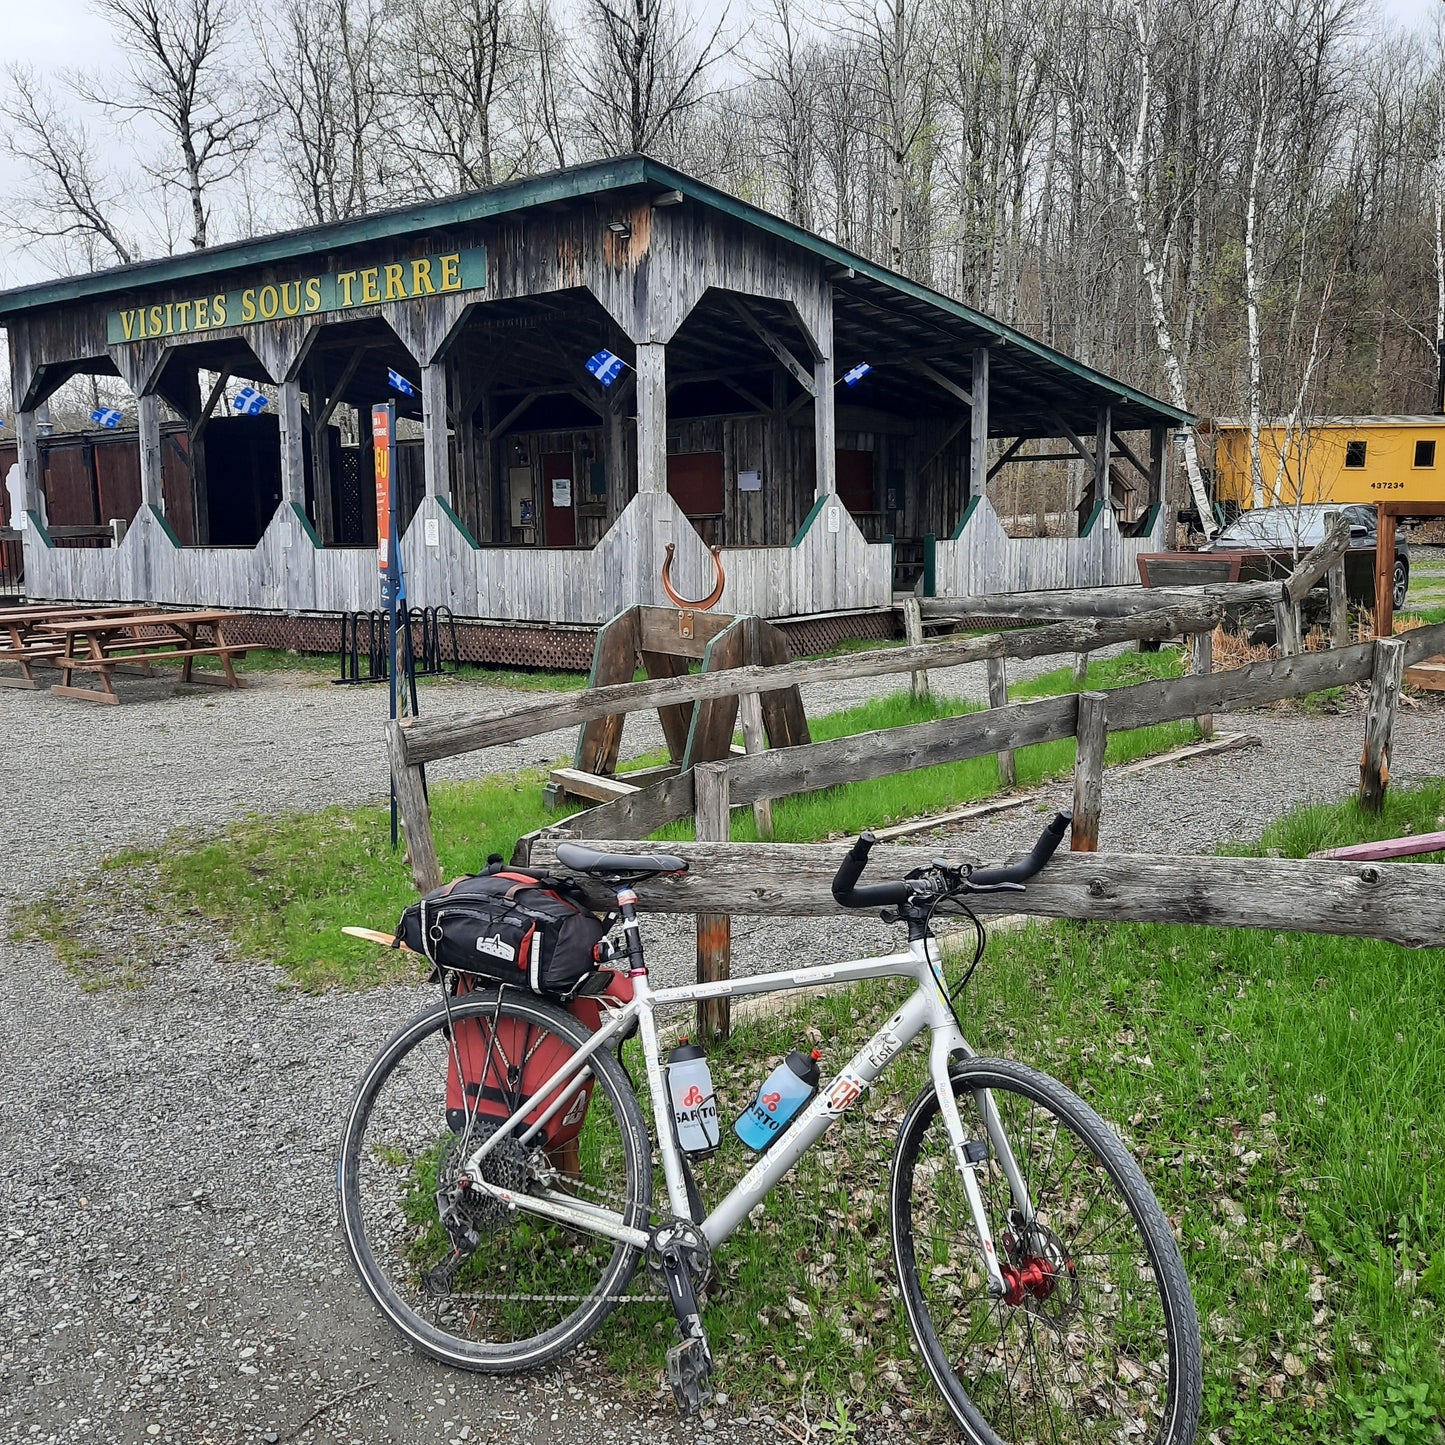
874, 895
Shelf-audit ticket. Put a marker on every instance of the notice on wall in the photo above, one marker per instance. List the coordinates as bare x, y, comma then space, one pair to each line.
432, 532
750, 481
835, 518
561, 491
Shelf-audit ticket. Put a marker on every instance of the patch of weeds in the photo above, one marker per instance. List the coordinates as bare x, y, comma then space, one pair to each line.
1398, 1408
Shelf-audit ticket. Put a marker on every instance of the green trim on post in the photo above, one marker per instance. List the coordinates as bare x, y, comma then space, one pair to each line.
457, 522
1093, 517
40, 529
165, 526
306, 524
1146, 524
808, 521
930, 565
964, 520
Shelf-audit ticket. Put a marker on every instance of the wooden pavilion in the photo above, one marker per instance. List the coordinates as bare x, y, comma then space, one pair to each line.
829, 425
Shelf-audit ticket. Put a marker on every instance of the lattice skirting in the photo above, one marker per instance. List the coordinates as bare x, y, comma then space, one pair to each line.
501, 644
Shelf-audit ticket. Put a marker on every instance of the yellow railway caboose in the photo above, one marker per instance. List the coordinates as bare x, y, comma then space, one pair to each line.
1333, 459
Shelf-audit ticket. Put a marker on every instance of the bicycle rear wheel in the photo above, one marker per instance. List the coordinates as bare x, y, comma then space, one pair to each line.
1101, 1340
523, 1289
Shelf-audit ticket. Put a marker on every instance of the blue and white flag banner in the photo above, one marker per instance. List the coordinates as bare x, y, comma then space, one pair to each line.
249, 402
399, 383
106, 416
606, 366
853, 377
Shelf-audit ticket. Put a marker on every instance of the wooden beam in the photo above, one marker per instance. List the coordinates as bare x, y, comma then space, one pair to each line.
803, 375
415, 814
500, 428
1316, 563
943, 446
939, 379
1009, 456
338, 393
1201, 664
1385, 571
978, 425
913, 631
1128, 453
1096, 602
212, 397
1386, 849
1401, 902
429, 738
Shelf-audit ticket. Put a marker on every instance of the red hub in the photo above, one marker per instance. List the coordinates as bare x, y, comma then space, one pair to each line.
1036, 1280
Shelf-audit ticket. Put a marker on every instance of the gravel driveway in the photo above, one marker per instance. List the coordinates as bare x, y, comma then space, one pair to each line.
171, 1268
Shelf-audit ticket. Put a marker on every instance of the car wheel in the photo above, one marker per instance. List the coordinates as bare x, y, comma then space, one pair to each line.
1402, 581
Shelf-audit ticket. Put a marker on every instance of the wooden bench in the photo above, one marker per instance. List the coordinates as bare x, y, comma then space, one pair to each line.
103, 644
25, 640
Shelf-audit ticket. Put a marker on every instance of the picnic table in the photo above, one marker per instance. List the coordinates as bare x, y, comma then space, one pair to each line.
23, 641
102, 644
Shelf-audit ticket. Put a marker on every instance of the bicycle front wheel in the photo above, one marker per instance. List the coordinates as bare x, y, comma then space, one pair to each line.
467, 1280
1097, 1339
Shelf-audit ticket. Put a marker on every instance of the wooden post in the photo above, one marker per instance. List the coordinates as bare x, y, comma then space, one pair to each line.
152, 492
1286, 627
1384, 701
978, 424
27, 442
998, 697
651, 417
1339, 603
913, 632
1092, 734
1385, 573
1081, 668
714, 930
755, 740
436, 457
321, 458
1201, 664
825, 425
293, 441
414, 812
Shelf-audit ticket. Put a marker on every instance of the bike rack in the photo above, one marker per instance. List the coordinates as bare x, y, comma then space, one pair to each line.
424, 631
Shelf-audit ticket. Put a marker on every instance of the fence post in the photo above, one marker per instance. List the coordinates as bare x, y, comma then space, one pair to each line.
1286, 627
913, 632
750, 710
998, 697
1081, 668
1092, 732
1389, 670
415, 813
1201, 665
712, 805
1339, 604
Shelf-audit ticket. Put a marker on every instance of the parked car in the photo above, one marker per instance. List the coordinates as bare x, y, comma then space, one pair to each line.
1269, 541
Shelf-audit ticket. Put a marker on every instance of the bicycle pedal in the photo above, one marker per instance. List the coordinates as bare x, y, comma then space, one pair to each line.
689, 1372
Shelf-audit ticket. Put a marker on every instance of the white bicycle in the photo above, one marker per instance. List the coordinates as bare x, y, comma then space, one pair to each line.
1040, 1278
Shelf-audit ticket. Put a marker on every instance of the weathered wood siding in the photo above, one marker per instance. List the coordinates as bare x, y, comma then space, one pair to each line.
982, 557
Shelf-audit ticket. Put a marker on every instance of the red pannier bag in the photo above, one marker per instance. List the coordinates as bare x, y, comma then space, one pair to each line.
495, 1066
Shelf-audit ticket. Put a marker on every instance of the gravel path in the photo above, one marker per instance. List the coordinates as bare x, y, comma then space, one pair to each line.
171, 1268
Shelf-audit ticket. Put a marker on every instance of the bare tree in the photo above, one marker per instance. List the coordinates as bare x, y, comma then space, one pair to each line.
73, 196
642, 72
786, 78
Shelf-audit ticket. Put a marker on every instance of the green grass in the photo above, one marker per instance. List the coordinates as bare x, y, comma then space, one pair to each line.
1285, 1094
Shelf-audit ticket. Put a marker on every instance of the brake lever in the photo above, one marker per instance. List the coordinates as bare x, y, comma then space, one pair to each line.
993, 887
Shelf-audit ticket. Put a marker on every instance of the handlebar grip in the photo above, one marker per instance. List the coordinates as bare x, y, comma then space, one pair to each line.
1025, 868
852, 868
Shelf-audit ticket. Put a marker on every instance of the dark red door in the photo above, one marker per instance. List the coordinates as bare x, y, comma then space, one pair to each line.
855, 481
559, 517
695, 480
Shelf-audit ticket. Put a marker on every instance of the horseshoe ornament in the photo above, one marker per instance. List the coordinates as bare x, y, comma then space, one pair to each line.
704, 603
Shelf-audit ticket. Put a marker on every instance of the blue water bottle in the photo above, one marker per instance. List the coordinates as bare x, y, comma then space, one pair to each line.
783, 1093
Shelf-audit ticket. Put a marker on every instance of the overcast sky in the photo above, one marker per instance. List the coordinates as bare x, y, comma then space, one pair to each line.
55, 34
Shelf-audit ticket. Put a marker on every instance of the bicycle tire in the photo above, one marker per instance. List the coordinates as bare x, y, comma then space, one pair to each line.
944, 1287
397, 1130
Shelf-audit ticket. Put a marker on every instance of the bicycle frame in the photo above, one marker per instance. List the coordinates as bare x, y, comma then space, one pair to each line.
926, 1008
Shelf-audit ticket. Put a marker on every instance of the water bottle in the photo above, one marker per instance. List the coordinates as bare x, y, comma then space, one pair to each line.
783, 1093
694, 1107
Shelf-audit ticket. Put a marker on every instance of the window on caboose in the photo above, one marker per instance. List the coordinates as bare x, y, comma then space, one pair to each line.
1354, 454
1425, 454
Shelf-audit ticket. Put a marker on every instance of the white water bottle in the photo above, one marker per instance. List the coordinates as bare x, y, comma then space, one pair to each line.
694, 1106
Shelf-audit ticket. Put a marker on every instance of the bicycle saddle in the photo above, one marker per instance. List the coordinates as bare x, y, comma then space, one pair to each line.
589, 860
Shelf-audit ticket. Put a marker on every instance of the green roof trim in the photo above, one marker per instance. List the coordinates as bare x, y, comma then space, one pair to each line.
445, 507
575, 183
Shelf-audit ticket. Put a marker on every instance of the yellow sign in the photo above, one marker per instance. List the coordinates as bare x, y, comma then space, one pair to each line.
337, 291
